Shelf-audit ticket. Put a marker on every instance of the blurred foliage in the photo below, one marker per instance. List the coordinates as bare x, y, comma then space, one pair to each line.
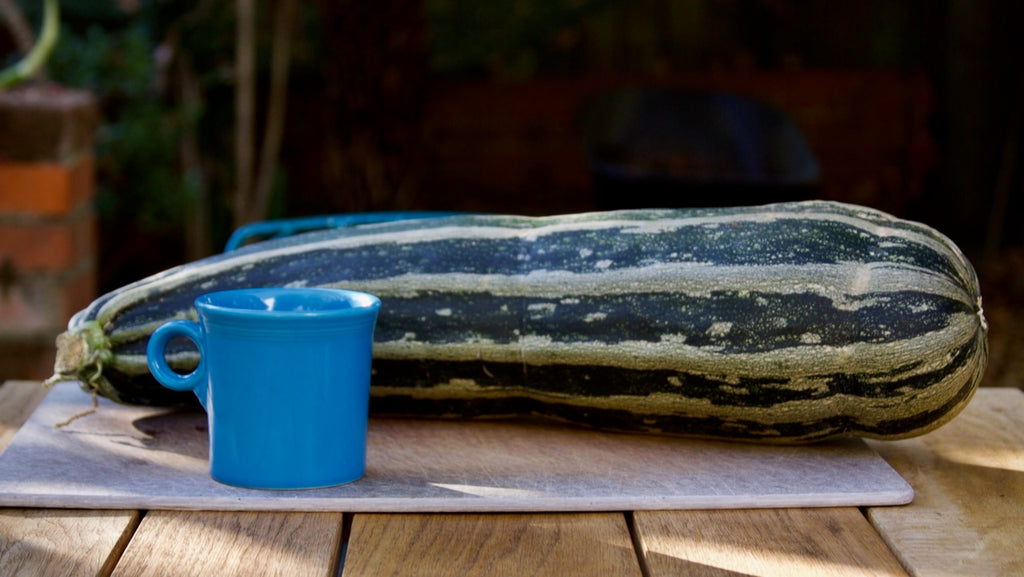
136, 146
359, 71
508, 39
130, 55
517, 39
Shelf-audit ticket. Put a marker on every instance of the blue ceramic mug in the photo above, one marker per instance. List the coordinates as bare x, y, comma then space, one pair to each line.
284, 376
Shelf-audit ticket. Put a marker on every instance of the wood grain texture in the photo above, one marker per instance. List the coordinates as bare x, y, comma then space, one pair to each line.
56, 542
53, 542
967, 518
783, 542
17, 401
490, 545
251, 544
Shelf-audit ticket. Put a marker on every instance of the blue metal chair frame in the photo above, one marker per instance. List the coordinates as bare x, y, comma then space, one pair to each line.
279, 228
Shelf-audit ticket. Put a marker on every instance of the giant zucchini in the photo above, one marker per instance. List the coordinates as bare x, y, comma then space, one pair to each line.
790, 322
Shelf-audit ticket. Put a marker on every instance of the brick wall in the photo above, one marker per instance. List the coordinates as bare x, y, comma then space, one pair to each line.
47, 222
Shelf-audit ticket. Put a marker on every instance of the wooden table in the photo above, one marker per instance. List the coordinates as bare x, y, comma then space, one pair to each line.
967, 520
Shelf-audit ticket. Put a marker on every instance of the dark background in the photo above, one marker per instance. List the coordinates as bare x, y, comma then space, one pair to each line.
910, 106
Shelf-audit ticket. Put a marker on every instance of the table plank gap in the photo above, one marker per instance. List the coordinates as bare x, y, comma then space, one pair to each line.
346, 533
17, 401
234, 543
763, 542
967, 518
491, 545
56, 542
122, 543
638, 544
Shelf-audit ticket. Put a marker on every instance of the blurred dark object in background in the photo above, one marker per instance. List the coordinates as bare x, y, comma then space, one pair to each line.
665, 148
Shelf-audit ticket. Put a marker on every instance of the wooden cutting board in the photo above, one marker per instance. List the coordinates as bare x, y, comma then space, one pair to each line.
150, 458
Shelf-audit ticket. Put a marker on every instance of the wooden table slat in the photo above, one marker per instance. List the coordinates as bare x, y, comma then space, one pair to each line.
763, 542
491, 545
967, 518
56, 542
237, 543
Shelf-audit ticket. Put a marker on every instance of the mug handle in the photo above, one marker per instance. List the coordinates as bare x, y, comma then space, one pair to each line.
194, 381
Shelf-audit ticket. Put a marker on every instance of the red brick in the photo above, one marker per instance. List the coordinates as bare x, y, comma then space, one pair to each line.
27, 308
33, 311
77, 293
46, 123
40, 305
49, 245
47, 227
44, 188
29, 360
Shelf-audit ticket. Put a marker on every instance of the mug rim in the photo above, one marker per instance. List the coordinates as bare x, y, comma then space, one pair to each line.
362, 303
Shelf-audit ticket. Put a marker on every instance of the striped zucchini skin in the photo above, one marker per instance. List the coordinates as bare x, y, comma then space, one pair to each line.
782, 323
